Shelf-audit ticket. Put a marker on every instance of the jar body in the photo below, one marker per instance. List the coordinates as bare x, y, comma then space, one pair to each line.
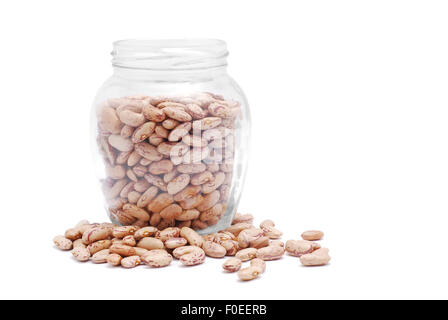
171, 147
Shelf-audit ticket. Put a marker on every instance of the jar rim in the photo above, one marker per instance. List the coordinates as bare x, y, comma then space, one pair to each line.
170, 43
169, 54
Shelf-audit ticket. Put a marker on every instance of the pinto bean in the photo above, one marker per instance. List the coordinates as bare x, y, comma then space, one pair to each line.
312, 235
232, 265
319, 257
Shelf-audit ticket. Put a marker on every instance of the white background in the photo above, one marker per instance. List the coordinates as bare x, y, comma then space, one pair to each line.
349, 103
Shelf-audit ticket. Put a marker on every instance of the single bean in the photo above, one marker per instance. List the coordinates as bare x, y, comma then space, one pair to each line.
312, 235
249, 273
162, 201
246, 236
143, 132
114, 259
270, 253
131, 118
100, 256
319, 257
246, 254
173, 243
150, 243
108, 120
157, 258
267, 223
168, 233
232, 265
238, 227
258, 263
178, 183
191, 236
187, 215
298, 248
121, 232
129, 241
171, 212
98, 246
78, 243
144, 232
231, 246
73, 234
259, 243
136, 212
120, 143
96, 234
81, 254
122, 250
191, 255
140, 251
272, 232
130, 262
213, 249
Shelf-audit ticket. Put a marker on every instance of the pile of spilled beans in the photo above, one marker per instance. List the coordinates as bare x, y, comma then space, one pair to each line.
132, 246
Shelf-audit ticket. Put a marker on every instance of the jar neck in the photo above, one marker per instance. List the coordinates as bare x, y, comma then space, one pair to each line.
169, 59
201, 75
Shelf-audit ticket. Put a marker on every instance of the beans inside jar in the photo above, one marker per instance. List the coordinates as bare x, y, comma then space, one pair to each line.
168, 160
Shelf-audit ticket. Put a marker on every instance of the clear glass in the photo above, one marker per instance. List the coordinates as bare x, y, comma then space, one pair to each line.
171, 132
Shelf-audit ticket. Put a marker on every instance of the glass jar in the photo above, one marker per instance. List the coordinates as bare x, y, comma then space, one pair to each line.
172, 130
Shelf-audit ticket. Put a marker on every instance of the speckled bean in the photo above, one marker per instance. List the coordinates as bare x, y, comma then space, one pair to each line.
122, 250
78, 243
121, 232
272, 232
267, 223
136, 212
140, 251
246, 254
213, 249
232, 265
144, 232
319, 257
63, 243
120, 143
174, 243
178, 183
101, 256
258, 263
171, 232
231, 246
129, 241
114, 259
143, 132
191, 236
242, 218
162, 201
238, 227
157, 258
270, 253
312, 235
249, 273
73, 234
150, 243
189, 255
98, 246
96, 234
259, 243
81, 254
298, 248
246, 236
130, 262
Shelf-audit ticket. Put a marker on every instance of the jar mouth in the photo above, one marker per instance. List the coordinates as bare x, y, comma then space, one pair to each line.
169, 54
